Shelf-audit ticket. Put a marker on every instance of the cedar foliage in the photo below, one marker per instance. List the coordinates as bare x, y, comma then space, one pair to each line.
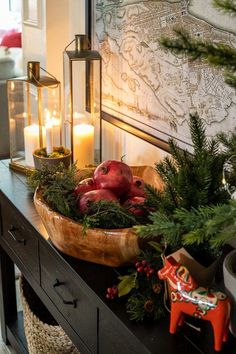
217, 54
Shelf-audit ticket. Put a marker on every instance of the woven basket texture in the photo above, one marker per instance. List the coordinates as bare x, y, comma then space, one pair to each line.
43, 338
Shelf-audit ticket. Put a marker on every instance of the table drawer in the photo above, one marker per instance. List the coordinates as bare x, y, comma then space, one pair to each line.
64, 289
18, 236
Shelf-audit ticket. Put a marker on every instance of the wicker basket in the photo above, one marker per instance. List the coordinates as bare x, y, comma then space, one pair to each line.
42, 337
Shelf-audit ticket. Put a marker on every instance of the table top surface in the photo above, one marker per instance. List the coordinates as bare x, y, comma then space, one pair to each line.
97, 278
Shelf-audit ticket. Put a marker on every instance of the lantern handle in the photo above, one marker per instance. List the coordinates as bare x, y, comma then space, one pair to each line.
76, 40
73, 40
47, 72
36, 80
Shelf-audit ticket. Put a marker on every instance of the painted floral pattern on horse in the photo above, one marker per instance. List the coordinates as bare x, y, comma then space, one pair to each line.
205, 299
188, 298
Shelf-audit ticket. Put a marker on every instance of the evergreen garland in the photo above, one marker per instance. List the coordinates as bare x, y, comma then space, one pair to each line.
217, 54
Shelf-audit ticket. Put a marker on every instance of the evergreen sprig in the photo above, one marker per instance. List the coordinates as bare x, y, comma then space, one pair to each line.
228, 6
192, 180
228, 141
193, 186
162, 227
108, 215
145, 292
56, 185
153, 196
217, 54
205, 229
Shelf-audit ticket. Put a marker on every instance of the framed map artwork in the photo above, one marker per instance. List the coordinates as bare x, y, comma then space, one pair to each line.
148, 91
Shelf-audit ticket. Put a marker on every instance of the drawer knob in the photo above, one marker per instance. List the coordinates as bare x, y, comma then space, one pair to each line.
11, 231
66, 302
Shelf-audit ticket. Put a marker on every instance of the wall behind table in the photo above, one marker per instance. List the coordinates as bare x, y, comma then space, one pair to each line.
60, 20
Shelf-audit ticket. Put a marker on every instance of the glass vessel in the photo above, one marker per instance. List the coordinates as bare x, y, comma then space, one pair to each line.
34, 106
82, 100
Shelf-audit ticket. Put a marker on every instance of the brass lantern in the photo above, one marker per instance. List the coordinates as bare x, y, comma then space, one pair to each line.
82, 102
34, 106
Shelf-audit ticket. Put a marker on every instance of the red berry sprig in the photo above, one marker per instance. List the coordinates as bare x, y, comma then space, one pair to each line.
143, 266
112, 292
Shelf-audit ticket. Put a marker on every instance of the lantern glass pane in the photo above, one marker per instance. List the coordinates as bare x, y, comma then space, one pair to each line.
82, 109
29, 107
67, 118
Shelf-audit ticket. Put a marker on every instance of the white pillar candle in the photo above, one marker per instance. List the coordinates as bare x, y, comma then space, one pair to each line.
48, 127
49, 146
56, 131
83, 144
31, 139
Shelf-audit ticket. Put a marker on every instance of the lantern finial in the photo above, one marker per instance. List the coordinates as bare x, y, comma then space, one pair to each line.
82, 42
33, 70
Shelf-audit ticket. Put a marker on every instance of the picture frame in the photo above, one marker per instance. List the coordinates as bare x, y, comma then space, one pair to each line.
114, 120
32, 13
147, 90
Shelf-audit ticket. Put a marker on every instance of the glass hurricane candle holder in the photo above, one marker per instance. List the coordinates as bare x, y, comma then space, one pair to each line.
34, 106
82, 100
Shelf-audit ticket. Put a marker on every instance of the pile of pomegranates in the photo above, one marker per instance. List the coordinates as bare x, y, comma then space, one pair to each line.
113, 181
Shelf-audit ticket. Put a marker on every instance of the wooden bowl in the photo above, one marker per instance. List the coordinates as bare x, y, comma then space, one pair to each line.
112, 247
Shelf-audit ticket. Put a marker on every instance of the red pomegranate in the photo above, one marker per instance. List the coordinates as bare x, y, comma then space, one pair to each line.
115, 176
135, 205
84, 186
137, 188
95, 196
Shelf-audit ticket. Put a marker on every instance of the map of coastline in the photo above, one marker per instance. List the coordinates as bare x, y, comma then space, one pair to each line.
148, 86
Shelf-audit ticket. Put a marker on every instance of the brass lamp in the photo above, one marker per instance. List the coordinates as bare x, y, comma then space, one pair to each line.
34, 106
82, 102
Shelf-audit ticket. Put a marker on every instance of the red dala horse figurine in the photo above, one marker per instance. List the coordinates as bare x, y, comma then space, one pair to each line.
189, 298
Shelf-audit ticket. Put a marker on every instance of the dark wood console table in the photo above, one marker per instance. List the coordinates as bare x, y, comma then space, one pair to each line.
94, 324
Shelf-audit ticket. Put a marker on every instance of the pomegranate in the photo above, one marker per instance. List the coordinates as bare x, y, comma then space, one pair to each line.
137, 188
115, 176
84, 186
135, 205
95, 196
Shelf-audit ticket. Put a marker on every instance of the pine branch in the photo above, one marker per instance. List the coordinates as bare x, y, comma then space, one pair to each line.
228, 6
230, 78
108, 215
153, 195
213, 147
217, 54
180, 156
228, 140
211, 224
198, 133
162, 226
168, 172
194, 237
192, 180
